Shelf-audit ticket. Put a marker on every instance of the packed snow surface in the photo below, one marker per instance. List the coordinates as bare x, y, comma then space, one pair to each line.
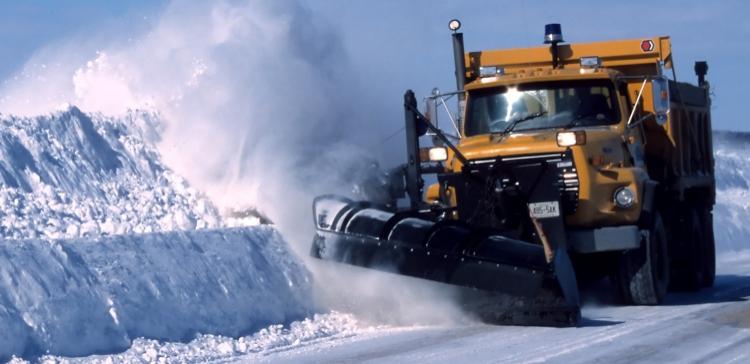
310, 331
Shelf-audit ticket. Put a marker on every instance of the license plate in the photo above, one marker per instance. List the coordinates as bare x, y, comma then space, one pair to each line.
541, 210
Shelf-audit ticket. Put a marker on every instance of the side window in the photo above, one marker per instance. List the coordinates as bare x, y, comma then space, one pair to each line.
623, 89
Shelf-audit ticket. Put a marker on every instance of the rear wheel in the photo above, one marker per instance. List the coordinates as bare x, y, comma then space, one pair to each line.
643, 274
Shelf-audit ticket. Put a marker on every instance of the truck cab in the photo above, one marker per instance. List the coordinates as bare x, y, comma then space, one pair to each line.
552, 111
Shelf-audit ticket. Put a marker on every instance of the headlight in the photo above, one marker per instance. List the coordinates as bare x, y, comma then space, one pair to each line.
438, 154
570, 138
624, 197
434, 154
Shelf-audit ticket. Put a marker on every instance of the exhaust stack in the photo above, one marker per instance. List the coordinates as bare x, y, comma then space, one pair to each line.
701, 68
458, 54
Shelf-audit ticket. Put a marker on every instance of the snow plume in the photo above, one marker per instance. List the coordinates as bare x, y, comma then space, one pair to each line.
261, 108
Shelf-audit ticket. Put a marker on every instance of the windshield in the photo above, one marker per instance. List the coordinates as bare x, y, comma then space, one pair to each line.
541, 105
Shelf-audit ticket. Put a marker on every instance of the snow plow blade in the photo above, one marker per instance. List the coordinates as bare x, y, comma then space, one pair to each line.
501, 280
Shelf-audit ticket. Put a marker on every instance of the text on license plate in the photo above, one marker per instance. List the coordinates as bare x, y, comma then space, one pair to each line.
543, 210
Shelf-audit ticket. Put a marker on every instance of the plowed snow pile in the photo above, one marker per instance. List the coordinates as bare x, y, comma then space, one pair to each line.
103, 244
732, 210
69, 174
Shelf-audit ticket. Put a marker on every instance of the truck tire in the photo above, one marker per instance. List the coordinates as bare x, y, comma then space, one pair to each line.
643, 274
709, 249
688, 263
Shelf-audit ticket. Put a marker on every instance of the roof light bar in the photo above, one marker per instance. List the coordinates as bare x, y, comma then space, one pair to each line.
553, 34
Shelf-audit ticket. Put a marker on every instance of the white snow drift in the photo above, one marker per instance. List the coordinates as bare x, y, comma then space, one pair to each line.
102, 244
82, 296
732, 210
70, 174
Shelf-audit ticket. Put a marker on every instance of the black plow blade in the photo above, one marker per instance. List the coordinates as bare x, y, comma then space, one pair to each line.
501, 280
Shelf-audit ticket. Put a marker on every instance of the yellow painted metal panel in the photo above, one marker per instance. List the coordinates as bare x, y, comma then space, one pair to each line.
620, 54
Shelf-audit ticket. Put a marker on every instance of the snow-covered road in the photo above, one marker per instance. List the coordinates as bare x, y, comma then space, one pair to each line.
710, 326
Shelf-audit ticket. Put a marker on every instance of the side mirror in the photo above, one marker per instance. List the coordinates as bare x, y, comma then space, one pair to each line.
660, 93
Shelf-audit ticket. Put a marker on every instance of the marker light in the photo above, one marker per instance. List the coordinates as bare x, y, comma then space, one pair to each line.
571, 138
454, 25
491, 71
624, 197
591, 62
553, 34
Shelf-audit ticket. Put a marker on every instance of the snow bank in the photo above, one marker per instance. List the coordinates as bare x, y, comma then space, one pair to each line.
732, 210
101, 243
82, 296
71, 174
321, 327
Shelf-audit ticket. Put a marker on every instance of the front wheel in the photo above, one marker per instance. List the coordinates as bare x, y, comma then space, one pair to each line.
642, 274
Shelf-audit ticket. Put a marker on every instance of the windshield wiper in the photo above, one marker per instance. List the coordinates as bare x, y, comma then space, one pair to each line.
513, 123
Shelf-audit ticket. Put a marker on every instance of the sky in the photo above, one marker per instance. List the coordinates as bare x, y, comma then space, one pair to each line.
395, 45
28, 26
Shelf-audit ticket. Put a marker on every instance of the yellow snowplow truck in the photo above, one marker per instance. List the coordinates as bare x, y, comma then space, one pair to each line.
569, 162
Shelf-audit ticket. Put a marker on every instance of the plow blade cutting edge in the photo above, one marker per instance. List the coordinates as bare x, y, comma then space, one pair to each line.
501, 280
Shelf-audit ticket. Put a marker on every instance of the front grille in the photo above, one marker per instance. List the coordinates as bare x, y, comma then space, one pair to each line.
568, 181
489, 191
